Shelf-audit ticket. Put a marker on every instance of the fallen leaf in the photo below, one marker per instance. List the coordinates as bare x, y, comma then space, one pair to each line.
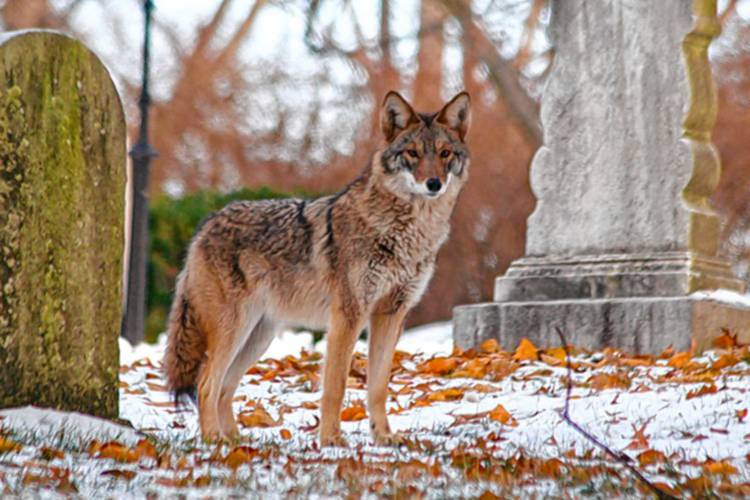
120, 474
602, 381
723, 467
500, 414
7, 445
526, 351
741, 414
679, 360
702, 391
451, 394
649, 457
726, 340
353, 413
438, 366
724, 361
285, 434
117, 451
639, 439
259, 417
238, 456
490, 346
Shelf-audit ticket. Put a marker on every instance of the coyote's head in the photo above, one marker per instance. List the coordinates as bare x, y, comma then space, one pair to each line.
425, 152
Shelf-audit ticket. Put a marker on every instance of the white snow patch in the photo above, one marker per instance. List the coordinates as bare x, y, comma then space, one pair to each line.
725, 296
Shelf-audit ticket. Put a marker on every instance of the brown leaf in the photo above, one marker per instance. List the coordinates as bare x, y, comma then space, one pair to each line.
438, 366
451, 394
639, 439
259, 417
706, 389
526, 351
725, 360
285, 434
239, 455
500, 414
602, 381
144, 449
8, 445
490, 346
679, 360
117, 451
120, 474
353, 413
741, 414
723, 467
726, 340
649, 457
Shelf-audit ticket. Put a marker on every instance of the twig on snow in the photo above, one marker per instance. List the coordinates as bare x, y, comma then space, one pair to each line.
619, 456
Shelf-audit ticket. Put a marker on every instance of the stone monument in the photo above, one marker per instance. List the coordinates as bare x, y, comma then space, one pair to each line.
62, 188
623, 233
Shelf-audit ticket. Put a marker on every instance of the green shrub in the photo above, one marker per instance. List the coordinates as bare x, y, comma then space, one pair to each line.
172, 222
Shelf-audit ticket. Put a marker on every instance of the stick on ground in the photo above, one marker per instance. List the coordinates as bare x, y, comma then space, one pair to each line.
619, 456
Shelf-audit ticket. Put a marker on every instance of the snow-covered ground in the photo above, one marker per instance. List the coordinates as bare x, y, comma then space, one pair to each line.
476, 422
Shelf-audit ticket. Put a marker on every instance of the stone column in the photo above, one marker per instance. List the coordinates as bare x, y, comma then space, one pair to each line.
623, 232
62, 188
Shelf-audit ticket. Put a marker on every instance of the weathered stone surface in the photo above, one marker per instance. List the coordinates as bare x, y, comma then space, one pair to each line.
62, 176
623, 180
638, 325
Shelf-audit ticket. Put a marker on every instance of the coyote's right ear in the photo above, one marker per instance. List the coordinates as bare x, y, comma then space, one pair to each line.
396, 115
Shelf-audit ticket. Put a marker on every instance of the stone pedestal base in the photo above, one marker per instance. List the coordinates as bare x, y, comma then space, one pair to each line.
644, 325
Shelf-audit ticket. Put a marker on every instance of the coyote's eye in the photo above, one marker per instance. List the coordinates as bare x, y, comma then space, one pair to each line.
445, 153
412, 153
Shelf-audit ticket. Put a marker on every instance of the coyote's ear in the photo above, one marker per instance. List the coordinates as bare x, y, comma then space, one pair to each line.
396, 115
457, 114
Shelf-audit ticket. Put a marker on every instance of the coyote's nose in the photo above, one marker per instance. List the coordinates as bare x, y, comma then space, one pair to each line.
433, 184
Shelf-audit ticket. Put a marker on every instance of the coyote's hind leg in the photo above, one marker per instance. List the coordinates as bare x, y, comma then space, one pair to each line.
255, 345
234, 325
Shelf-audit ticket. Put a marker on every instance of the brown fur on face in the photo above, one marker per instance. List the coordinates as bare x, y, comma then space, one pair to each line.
362, 257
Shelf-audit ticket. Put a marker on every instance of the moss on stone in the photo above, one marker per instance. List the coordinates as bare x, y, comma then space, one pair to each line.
62, 147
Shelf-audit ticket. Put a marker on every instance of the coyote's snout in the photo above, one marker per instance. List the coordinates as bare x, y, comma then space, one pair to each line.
362, 257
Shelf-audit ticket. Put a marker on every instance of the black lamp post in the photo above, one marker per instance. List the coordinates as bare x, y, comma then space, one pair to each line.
141, 154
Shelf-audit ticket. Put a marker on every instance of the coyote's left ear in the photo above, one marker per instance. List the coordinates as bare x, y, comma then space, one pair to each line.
457, 114
396, 115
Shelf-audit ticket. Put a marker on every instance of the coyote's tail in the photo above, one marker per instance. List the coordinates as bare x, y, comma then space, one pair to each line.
186, 345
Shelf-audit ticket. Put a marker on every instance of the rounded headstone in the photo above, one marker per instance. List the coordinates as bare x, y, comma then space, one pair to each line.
62, 186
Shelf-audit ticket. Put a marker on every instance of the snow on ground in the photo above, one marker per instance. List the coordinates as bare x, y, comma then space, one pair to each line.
486, 422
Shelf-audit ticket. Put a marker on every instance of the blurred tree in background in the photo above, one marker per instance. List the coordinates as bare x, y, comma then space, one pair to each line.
286, 93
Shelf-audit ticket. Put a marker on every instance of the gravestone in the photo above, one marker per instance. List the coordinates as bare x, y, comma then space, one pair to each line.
623, 233
62, 186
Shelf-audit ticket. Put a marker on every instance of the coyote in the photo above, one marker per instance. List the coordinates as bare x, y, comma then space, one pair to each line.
361, 257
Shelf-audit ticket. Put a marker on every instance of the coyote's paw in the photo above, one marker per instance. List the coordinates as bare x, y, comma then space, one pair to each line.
389, 438
332, 440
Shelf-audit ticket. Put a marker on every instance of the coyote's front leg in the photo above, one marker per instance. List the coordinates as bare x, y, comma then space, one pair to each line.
385, 329
346, 323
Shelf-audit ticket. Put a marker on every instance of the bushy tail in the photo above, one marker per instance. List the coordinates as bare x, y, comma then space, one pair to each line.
186, 345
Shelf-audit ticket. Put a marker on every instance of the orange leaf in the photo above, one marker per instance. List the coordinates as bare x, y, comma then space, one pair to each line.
490, 346
6, 445
117, 451
451, 394
602, 381
741, 414
259, 417
144, 448
639, 439
726, 340
438, 366
286, 434
724, 361
526, 351
723, 467
679, 360
500, 414
706, 389
238, 456
353, 413
649, 457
